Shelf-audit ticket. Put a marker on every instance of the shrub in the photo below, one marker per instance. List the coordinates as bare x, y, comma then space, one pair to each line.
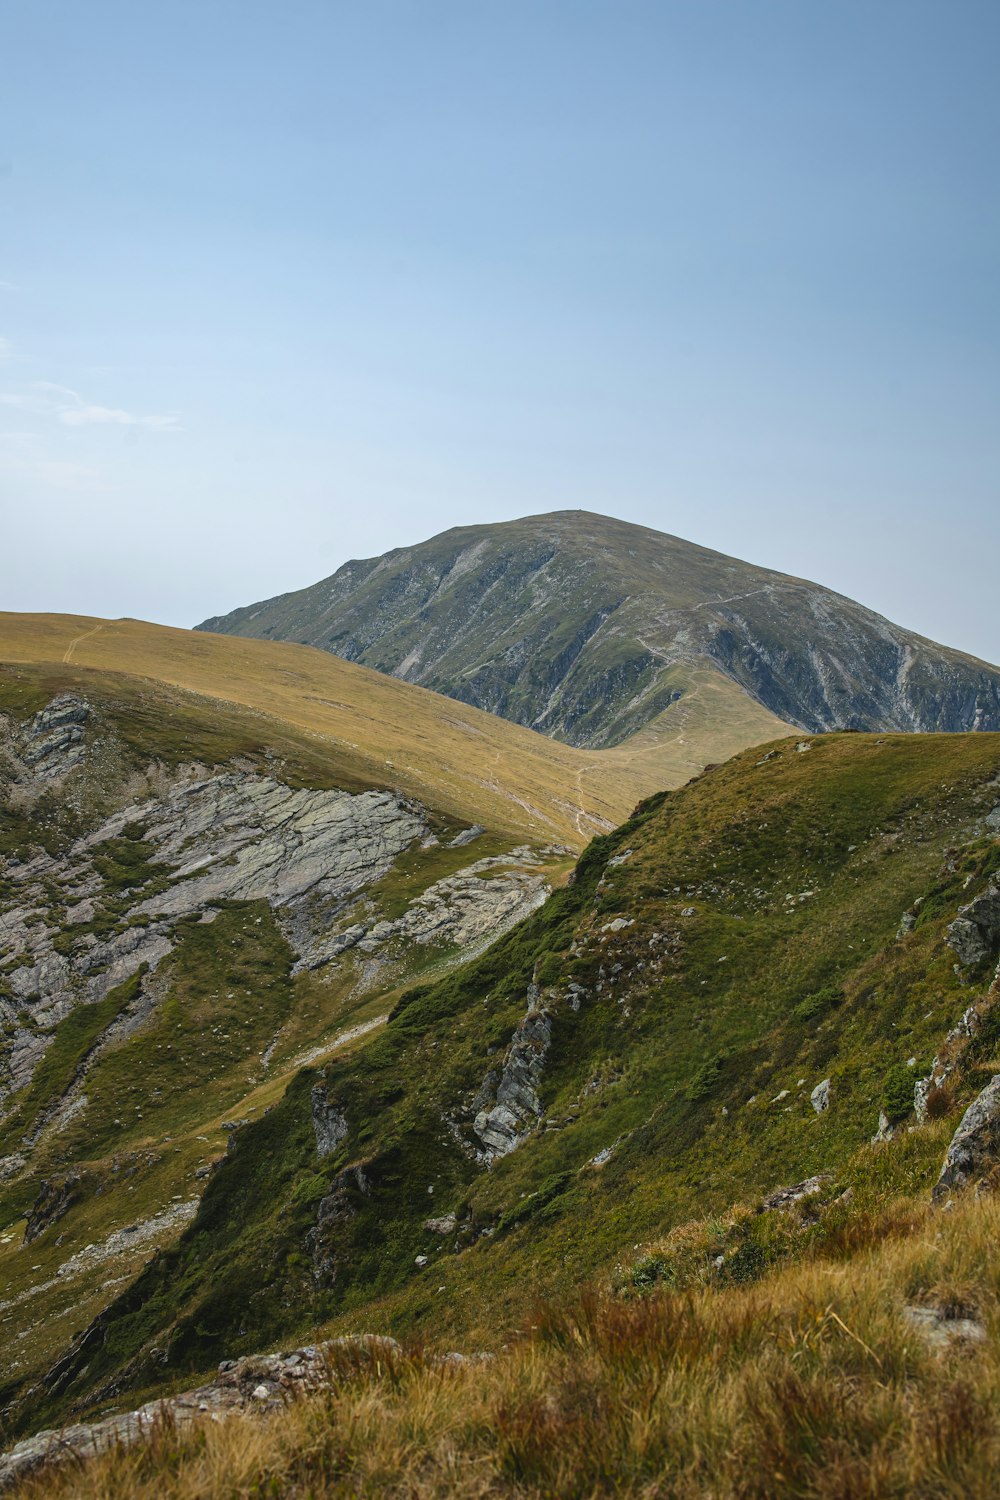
747, 1263
818, 1003
897, 1092
939, 1103
705, 1079
648, 1272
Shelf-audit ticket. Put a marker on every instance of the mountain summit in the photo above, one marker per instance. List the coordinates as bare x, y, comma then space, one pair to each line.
588, 629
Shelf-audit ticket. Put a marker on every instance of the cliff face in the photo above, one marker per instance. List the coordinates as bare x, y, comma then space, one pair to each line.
586, 628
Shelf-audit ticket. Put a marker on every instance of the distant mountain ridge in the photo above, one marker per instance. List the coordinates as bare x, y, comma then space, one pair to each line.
589, 629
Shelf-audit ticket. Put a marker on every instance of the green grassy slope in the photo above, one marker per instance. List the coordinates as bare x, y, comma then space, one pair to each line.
729, 947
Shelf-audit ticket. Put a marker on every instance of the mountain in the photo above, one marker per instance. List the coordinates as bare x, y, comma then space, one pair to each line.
220, 861
589, 629
733, 993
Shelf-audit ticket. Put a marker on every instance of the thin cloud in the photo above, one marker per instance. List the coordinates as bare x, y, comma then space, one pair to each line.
46, 399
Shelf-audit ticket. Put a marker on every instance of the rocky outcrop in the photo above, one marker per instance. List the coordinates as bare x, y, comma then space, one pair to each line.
329, 1122
507, 1107
820, 1096
975, 1144
51, 744
787, 1197
483, 900
974, 935
203, 841
261, 1383
55, 1197
229, 837
947, 1060
336, 1209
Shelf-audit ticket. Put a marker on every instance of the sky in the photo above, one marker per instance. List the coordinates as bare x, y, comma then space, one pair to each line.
287, 283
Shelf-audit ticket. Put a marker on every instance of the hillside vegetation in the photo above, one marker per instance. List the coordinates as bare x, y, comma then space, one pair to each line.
814, 1382
595, 1096
590, 629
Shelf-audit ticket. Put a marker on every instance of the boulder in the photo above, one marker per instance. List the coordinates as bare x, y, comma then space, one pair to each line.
820, 1096
975, 932
329, 1122
975, 1144
941, 1329
447, 1224
785, 1197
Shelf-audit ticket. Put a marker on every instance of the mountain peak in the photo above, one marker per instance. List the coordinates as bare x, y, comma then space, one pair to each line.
591, 629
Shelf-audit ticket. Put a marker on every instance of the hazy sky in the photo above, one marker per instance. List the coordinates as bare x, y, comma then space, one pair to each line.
284, 283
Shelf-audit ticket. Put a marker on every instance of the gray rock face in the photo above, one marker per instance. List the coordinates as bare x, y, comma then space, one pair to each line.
574, 624
508, 1106
230, 836
52, 743
239, 837
974, 1146
820, 1096
946, 1061
329, 1122
785, 1197
234, 836
975, 932
260, 1383
466, 907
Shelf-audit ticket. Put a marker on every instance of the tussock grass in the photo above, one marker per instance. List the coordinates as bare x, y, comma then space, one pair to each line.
811, 1383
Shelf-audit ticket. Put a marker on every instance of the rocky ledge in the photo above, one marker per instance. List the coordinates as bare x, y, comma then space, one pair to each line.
256, 1385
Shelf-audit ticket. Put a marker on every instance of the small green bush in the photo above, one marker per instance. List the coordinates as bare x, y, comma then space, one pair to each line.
818, 1003
705, 1079
897, 1092
747, 1263
649, 1272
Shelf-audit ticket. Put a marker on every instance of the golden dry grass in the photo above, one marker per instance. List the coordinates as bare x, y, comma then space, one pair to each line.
447, 754
812, 1383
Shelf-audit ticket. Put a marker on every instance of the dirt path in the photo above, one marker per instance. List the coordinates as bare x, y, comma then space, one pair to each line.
68, 653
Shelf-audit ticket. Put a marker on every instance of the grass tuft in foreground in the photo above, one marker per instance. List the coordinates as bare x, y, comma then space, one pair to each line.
817, 1381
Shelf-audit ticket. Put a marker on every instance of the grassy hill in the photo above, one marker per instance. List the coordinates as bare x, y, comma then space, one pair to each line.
370, 731
183, 919
590, 629
655, 1034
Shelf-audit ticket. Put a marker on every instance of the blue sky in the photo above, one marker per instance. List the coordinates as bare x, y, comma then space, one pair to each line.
288, 283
